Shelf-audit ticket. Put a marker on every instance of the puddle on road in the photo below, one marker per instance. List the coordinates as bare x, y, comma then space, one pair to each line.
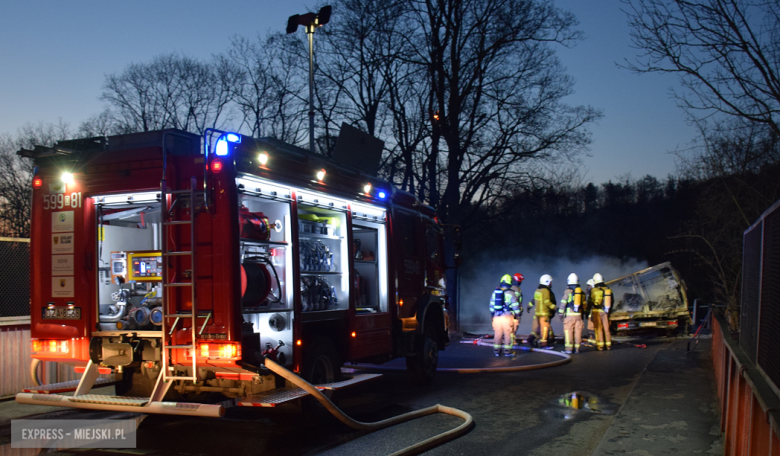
581, 400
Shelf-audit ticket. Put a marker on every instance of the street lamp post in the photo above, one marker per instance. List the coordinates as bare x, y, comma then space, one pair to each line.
311, 21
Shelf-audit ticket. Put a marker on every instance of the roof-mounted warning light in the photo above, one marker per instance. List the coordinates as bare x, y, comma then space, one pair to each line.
367, 189
222, 148
381, 194
321, 175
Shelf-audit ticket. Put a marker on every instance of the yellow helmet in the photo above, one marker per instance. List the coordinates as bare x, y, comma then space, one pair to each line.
506, 281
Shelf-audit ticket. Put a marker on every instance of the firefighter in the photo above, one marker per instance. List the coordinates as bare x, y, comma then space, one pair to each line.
544, 307
587, 314
503, 308
571, 313
517, 279
601, 302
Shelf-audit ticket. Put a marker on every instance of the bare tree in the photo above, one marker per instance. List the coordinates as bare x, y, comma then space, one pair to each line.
496, 91
725, 52
171, 91
355, 51
270, 92
102, 124
16, 174
736, 164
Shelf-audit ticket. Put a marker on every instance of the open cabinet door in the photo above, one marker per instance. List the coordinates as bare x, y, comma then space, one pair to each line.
372, 324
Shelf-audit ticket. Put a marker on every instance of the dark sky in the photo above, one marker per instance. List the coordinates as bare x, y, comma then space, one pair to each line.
56, 54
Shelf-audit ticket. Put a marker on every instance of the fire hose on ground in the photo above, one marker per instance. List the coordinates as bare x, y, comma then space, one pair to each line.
418, 448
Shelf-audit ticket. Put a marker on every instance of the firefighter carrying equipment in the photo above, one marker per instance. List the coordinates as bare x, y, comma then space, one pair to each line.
597, 278
573, 298
570, 311
600, 301
573, 279
601, 298
504, 301
544, 302
504, 307
544, 306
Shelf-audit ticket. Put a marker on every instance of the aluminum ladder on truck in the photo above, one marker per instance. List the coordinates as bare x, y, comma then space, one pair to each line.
193, 316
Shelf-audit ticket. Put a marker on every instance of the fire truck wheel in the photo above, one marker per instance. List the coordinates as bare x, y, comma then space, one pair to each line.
320, 363
422, 367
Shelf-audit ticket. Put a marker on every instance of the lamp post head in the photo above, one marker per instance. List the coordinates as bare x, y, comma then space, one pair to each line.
309, 19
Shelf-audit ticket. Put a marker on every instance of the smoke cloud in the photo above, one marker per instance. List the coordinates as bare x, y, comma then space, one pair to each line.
479, 278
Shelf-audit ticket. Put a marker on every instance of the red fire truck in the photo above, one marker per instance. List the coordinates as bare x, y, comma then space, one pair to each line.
171, 264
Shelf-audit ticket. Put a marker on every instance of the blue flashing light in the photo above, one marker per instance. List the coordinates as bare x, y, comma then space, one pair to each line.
221, 148
382, 195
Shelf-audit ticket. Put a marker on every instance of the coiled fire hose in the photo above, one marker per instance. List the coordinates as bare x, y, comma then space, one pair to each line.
418, 448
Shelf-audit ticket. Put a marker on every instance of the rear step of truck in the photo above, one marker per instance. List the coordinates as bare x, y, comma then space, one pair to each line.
279, 396
70, 386
44, 395
122, 404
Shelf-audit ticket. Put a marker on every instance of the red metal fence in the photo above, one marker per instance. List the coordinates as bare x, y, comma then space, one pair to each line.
750, 409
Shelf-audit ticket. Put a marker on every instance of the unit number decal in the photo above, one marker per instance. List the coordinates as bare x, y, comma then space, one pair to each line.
59, 201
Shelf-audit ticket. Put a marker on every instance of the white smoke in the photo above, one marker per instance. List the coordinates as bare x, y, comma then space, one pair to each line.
479, 279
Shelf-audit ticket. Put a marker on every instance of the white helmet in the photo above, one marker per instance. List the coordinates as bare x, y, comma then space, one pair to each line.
591, 283
597, 278
545, 280
573, 279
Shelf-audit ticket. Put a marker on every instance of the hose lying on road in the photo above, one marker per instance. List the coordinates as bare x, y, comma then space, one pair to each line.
484, 370
418, 448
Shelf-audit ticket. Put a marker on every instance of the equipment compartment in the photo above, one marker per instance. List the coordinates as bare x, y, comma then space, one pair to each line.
323, 259
129, 262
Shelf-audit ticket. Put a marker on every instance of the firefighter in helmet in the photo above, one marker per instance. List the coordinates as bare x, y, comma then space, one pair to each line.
544, 307
571, 309
503, 308
600, 301
517, 279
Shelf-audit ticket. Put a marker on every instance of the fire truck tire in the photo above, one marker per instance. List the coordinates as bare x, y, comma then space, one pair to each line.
422, 366
321, 363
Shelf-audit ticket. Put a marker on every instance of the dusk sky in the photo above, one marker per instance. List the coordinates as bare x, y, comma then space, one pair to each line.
56, 54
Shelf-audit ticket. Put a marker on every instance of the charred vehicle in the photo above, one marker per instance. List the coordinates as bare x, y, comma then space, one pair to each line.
653, 298
172, 264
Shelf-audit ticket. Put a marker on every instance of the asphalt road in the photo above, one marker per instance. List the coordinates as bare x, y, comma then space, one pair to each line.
657, 400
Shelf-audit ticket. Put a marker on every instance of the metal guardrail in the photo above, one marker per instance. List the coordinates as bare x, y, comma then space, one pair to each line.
14, 277
750, 408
